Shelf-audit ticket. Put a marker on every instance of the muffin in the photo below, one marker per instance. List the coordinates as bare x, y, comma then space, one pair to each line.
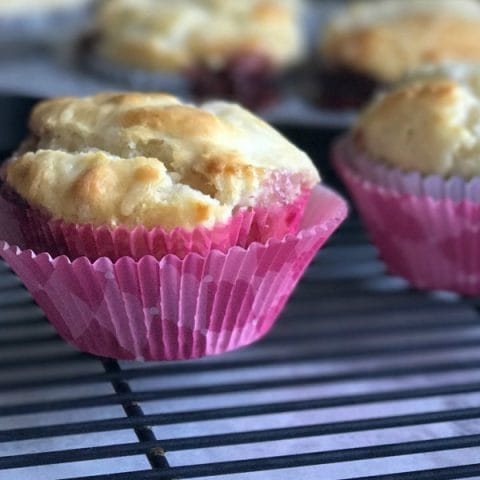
372, 44
219, 48
23, 22
171, 173
412, 165
147, 228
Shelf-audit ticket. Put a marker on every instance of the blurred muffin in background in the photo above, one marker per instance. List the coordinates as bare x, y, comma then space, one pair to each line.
371, 44
28, 22
412, 166
216, 48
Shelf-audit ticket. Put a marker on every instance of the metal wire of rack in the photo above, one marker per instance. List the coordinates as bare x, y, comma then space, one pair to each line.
362, 378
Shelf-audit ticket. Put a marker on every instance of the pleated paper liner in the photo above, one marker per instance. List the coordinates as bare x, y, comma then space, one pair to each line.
30, 228
414, 183
172, 309
430, 237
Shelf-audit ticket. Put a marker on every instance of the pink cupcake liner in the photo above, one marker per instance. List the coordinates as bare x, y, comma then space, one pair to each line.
414, 183
29, 228
432, 242
173, 309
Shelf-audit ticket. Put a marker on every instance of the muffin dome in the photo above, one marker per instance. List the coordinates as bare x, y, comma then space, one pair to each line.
173, 36
386, 39
429, 125
149, 159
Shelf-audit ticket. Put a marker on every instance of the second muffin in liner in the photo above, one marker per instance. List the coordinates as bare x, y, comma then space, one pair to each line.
426, 227
172, 309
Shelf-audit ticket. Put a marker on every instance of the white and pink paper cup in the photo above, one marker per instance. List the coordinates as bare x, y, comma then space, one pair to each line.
178, 306
426, 228
36, 230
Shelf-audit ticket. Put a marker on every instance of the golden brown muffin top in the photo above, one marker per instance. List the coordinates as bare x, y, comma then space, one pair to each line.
173, 35
386, 39
150, 159
429, 125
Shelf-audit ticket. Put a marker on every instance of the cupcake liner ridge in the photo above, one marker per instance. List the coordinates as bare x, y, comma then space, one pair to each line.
173, 308
426, 230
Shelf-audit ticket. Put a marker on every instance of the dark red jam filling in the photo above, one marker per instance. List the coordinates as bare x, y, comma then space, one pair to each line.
247, 78
344, 89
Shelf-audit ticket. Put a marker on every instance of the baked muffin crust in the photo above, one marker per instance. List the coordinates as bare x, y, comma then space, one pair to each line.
150, 159
431, 126
174, 35
386, 39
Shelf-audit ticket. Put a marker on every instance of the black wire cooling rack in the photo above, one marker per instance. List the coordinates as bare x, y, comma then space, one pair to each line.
361, 378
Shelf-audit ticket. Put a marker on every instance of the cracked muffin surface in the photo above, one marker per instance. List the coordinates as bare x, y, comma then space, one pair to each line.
149, 159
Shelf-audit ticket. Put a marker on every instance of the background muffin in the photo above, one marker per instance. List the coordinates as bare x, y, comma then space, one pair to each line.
412, 164
226, 48
147, 163
376, 43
